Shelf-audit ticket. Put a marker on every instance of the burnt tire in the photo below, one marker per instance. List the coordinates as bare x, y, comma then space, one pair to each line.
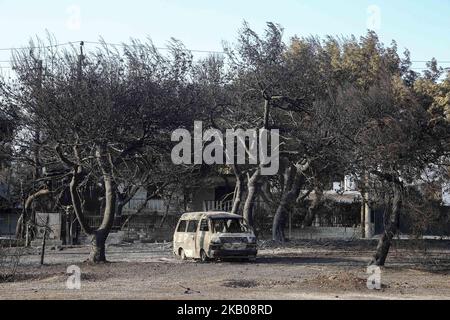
182, 255
203, 256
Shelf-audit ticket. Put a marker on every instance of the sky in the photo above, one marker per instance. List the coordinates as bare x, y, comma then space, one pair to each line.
421, 26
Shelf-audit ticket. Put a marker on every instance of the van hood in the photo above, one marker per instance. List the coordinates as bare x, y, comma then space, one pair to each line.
235, 235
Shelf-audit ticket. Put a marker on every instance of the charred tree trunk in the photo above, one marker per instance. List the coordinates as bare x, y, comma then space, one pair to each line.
166, 213
253, 181
312, 209
123, 198
391, 226
293, 183
20, 227
25, 217
239, 191
44, 239
252, 193
99, 236
119, 208
98, 245
76, 201
279, 220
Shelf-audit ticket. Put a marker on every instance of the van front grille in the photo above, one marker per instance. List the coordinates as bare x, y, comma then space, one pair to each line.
234, 240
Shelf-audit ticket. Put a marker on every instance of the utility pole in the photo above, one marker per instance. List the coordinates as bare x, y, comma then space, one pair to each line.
80, 61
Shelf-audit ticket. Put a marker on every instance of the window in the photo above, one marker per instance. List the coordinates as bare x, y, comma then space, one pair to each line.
192, 226
204, 225
232, 225
182, 226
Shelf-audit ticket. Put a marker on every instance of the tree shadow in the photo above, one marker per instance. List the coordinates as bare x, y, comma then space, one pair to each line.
309, 260
289, 260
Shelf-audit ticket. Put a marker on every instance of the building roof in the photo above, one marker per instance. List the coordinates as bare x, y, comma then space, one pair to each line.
347, 197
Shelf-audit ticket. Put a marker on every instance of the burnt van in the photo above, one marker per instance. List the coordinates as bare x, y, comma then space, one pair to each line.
214, 235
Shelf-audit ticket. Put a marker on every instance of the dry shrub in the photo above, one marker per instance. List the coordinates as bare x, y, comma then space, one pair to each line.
9, 261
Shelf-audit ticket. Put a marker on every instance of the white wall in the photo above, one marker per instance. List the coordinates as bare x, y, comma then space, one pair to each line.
446, 194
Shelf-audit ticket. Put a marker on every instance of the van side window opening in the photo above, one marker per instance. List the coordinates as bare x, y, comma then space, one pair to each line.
204, 225
192, 226
182, 226
229, 226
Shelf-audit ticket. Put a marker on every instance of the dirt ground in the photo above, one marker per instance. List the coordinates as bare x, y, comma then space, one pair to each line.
298, 270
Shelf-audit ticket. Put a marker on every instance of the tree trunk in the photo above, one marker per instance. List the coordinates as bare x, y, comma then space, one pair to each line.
252, 183
279, 221
238, 192
100, 235
252, 192
119, 208
24, 217
312, 209
20, 227
98, 241
166, 213
292, 187
391, 227
44, 239
123, 198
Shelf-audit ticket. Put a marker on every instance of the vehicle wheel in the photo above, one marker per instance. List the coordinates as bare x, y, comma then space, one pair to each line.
252, 259
183, 255
203, 256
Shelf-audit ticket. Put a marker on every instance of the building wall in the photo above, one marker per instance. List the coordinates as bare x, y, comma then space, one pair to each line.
200, 196
8, 223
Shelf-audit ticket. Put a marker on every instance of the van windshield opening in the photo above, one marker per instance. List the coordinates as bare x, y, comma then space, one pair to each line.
227, 225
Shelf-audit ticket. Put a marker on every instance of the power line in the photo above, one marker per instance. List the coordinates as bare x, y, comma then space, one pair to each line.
424, 61
143, 45
159, 48
100, 43
39, 47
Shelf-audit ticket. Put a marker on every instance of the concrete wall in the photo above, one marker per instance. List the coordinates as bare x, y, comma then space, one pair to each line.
54, 222
325, 233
